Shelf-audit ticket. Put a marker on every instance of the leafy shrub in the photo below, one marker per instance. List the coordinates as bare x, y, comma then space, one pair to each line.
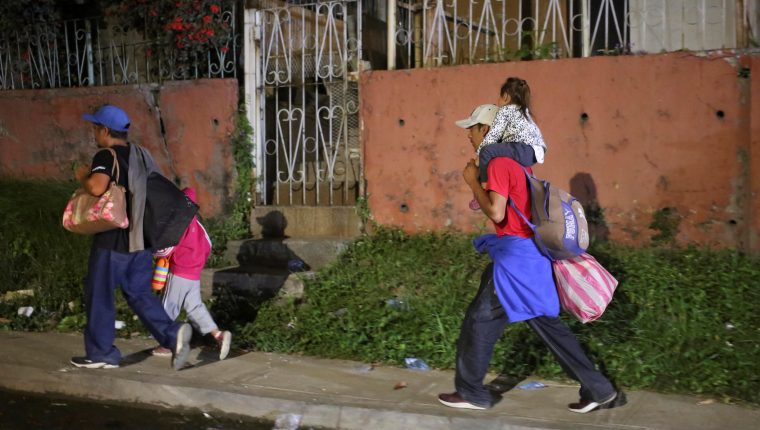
180, 31
234, 225
17, 15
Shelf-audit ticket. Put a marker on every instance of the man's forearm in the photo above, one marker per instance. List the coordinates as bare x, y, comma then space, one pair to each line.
486, 205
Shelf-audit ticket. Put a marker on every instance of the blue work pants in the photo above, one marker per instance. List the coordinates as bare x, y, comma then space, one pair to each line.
133, 272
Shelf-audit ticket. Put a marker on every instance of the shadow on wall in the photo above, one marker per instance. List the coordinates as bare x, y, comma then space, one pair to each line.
273, 224
264, 272
582, 186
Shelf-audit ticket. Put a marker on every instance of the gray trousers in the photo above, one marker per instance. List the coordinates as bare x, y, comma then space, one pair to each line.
185, 293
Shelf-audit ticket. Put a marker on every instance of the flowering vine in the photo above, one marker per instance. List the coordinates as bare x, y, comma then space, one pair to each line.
185, 26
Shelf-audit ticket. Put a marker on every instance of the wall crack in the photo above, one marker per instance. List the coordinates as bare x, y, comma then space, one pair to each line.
155, 103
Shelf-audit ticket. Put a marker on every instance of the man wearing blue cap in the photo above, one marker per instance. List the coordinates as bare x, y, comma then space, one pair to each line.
117, 256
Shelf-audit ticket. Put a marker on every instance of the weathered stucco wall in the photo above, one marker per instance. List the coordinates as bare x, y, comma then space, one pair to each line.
42, 133
753, 164
663, 131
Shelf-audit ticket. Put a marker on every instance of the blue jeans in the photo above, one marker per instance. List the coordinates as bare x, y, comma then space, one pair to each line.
484, 324
133, 273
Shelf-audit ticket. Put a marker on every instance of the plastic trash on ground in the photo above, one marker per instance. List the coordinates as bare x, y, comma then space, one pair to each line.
25, 311
532, 385
297, 265
18, 294
287, 422
397, 304
364, 368
416, 364
118, 325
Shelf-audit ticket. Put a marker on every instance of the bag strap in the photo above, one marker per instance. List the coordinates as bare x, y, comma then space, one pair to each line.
528, 178
115, 167
512, 202
537, 237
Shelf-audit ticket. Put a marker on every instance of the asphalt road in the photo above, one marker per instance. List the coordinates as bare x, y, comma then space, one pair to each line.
24, 411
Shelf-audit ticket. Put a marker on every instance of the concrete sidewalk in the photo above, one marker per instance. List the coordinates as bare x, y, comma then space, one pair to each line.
333, 394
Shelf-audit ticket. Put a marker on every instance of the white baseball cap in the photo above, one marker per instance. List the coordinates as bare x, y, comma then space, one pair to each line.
483, 114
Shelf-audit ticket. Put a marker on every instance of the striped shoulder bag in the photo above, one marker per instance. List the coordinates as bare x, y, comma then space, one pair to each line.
585, 288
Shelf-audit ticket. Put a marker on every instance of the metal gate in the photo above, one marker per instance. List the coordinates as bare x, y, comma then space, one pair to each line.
303, 101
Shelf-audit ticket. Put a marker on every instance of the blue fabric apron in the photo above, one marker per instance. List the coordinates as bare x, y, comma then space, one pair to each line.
522, 277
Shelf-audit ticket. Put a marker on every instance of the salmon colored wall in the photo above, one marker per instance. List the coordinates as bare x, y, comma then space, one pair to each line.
42, 132
754, 154
652, 140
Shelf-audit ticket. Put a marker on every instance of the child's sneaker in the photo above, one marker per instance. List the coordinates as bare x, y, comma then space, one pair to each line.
160, 351
182, 350
223, 339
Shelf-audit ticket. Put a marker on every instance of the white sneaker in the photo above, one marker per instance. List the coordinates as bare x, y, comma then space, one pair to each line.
86, 363
182, 350
584, 406
223, 339
160, 351
454, 400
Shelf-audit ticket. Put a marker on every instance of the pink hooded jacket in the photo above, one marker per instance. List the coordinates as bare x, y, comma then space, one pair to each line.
189, 255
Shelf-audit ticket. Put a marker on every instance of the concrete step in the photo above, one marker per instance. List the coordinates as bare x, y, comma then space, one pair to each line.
305, 221
256, 281
315, 252
265, 266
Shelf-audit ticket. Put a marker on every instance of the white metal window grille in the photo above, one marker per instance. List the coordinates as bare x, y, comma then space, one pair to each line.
440, 32
304, 100
90, 52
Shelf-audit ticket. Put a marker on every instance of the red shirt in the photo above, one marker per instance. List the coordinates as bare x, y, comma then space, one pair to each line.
506, 177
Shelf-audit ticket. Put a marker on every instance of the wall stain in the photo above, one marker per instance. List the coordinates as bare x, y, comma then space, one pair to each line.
662, 183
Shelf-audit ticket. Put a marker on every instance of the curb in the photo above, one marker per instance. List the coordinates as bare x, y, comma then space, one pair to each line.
96, 384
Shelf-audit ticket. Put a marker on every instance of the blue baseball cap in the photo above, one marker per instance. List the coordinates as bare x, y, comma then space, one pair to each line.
109, 116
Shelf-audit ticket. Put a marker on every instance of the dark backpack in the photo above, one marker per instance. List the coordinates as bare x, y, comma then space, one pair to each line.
168, 212
559, 223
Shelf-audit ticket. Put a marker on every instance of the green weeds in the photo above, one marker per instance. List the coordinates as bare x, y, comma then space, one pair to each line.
38, 254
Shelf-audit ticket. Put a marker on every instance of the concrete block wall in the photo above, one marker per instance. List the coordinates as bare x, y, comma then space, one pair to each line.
636, 134
186, 125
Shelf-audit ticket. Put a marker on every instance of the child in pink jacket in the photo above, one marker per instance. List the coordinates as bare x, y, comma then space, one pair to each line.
183, 284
